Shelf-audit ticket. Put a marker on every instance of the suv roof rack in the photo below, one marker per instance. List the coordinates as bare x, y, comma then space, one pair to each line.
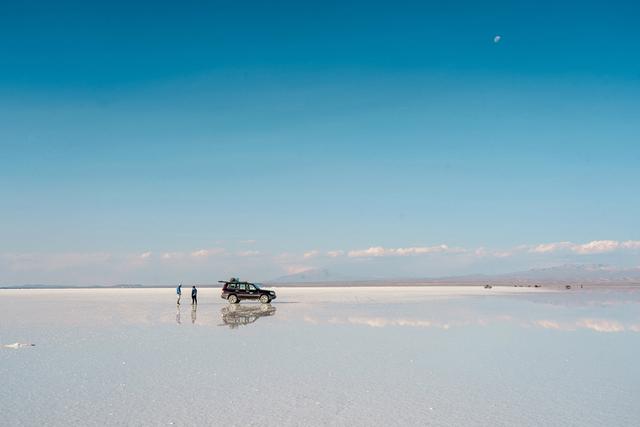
226, 282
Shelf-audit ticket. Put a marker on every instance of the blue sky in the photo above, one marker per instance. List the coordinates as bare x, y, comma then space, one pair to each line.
135, 137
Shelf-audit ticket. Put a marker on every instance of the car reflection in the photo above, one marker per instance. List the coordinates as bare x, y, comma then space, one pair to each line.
236, 315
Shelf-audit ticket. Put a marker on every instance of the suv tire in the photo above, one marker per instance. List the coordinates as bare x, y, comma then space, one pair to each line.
233, 299
264, 299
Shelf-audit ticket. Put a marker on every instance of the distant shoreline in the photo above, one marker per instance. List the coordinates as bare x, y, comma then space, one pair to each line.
354, 284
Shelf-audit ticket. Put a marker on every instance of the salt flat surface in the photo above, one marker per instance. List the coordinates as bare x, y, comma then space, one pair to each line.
441, 356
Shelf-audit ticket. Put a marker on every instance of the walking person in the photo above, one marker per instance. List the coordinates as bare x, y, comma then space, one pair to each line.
179, 292
194, 295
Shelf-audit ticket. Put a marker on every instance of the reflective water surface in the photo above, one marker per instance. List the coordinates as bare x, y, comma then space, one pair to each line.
357, 356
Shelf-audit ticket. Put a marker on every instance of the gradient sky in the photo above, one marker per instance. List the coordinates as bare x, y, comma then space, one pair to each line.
162, 141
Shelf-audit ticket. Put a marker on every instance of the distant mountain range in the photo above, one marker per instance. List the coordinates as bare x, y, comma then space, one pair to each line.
41, 286
314, 275
591, 273
594, 274
564, 274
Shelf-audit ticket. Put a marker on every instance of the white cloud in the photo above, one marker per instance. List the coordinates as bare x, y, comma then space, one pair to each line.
593, 247
311, 254
483, 252
379, 251
550, 247
601, 325
172, 255
419, 250
139, 260
203, 253
248, 253
200, 253
549, 324
373, 251
596, 247
502, 254
335, 254
598, 325
631, 244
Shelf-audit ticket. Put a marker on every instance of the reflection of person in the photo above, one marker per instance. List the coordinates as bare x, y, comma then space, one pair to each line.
193, 314
194, 295
179, 292
178, 316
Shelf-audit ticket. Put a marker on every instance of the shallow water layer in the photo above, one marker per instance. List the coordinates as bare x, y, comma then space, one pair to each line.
358, 356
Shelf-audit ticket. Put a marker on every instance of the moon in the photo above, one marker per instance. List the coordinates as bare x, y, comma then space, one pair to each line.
496, 39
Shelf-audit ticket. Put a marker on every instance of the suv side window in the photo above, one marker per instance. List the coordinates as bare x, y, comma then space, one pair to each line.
242, 287
252, 288
231, 286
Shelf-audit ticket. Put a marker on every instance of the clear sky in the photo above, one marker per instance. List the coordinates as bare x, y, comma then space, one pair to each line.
151, 142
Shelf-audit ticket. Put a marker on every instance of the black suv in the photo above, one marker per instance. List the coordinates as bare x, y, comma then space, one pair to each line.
234, 291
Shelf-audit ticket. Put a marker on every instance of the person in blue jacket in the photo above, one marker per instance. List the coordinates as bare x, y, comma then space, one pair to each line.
194, 295
179, 292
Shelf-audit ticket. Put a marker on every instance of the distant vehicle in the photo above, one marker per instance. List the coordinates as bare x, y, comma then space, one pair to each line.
488, 286
235, 291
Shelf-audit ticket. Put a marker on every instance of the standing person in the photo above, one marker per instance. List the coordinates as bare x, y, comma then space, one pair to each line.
179, 292
194, 295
